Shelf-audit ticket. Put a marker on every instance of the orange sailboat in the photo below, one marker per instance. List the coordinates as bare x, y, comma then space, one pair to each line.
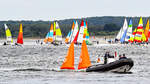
20, 35
84, 61
69, 60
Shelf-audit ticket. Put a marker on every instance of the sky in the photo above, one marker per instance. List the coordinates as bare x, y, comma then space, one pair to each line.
49, 10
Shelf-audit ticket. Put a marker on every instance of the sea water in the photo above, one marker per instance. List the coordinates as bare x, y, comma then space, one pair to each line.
40, 64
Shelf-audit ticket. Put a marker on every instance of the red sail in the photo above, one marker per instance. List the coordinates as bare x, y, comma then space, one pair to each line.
20, 35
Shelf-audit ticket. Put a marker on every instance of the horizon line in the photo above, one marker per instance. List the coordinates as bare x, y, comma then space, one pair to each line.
71, 18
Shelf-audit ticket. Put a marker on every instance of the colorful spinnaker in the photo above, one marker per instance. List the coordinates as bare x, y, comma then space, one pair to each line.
131, 40
138, 35
75, 33
8, 35
54, 35
87, 34
50, 37
20, 35
70, 34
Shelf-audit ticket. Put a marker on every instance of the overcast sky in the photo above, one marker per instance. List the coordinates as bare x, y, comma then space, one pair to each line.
65, 9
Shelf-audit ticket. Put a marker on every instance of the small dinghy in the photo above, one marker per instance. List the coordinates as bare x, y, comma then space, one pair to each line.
123, 65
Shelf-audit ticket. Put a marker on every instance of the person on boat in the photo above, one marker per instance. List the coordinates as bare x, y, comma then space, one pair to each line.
97, 42
41, 43
107, 55
116, 40
5, 43
122, 57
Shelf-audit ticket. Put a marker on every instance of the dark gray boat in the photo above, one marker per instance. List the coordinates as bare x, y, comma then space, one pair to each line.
123, 65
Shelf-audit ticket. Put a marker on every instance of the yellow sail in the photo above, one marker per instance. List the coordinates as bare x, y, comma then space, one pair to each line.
58, 33
143, 37
133, 36
8, 34
138, 35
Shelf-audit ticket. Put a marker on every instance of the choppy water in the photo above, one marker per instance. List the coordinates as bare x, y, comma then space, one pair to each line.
36, 64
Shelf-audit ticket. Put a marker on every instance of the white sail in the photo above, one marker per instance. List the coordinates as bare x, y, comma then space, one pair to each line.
80, 36
119, 34
124, 30
75, 31
8, 35
129, 31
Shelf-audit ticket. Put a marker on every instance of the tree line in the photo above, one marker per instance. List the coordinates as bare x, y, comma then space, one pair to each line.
101, 26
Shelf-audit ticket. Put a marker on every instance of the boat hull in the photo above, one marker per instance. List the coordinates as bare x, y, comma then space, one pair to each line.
123, 65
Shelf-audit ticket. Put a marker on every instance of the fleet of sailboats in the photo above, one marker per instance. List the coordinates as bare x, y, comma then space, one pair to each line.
139, 35
77, 35
54, 35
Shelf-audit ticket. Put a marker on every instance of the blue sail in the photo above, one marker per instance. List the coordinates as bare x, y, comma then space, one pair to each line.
47, 35
51, 34
129, 31
123, 36
69, 34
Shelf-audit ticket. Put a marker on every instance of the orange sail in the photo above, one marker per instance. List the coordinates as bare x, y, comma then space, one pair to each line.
50, 38
20, 35
146, 31
69, 60
84, 61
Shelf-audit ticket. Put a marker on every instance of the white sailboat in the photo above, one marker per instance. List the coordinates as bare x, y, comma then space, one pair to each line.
81, 32
74, 33
129, 31
118, 37
122, 33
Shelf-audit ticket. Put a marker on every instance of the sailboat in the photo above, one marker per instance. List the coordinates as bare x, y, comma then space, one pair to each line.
84, 61
77, 35
54, 35
131, 40
118, 37
87, 35
81, 31
50, 38
49, 35
139, 31
58, 36
69, 60
20, 35
129, 31
70, 34
46, 38
124, 31
8, 35
147, 32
